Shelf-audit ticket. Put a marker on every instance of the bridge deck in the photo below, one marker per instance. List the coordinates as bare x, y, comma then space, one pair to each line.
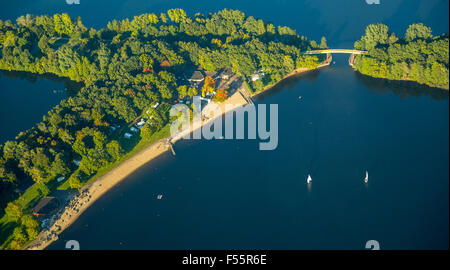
336, 51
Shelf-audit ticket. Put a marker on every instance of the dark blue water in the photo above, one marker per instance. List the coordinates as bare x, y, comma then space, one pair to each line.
342, 22
228, 194
25, 99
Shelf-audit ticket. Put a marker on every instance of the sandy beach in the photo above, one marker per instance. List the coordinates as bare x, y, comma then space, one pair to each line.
237, 100
92, 192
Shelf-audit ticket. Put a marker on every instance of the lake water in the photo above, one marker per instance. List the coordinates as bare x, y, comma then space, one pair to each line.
26, 98
226, 194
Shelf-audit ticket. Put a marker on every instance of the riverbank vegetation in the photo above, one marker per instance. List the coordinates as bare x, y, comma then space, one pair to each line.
418, 56
131, 69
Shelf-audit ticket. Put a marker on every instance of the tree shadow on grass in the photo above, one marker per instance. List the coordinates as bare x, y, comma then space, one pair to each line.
6, 230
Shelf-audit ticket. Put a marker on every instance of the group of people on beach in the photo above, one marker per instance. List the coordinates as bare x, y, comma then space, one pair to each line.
62, 218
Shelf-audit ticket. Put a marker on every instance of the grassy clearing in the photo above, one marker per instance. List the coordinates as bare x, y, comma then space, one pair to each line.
142, 144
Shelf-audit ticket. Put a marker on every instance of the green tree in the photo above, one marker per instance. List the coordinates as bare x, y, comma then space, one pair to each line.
19, 235
74, 180
114, 149
153, 18
163, 17
146, 62
182, 91
177, 15
147, 131
32, 233
59, 166
63, 24
418, 30
323, 43
14, 211
29, 221
376, 34
192, 91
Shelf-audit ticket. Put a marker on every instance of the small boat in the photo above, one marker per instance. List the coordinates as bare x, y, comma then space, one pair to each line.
367, 177
309, 179
300, 97
160, 196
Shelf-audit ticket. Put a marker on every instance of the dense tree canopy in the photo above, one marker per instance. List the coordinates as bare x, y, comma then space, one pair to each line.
126, 68
419, 57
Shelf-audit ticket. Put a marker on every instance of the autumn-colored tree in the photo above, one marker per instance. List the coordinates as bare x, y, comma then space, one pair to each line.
129, 92
221, 95
147, 87
208, 86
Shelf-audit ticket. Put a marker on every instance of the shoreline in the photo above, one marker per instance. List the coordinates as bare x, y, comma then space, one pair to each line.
95, 190
351, 62
295, 72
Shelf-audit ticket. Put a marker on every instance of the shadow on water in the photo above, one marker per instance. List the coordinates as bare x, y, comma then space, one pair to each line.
72, 87
288, 83
403, 89
26, 97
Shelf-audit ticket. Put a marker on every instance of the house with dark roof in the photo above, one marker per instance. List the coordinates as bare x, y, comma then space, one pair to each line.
225, 74
211, 73
196, 76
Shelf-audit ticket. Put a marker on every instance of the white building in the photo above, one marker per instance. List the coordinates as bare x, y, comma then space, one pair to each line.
141, 123
256, 76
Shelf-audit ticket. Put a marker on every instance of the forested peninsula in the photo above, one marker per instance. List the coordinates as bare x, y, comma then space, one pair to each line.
132, 70
418, 56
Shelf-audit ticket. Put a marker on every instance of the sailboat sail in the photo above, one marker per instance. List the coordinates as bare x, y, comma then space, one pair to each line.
367, 177
309, 179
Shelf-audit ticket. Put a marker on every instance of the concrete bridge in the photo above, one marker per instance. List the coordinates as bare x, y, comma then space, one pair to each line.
327, 51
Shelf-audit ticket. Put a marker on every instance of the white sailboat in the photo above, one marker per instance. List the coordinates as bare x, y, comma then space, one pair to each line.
309, 179
367, 177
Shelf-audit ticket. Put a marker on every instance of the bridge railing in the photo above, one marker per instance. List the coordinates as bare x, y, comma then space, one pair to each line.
327, 51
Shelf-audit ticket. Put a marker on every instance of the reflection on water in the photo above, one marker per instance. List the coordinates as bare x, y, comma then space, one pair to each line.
289, 83
70, 86
402, 88
25, 98
243, 198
